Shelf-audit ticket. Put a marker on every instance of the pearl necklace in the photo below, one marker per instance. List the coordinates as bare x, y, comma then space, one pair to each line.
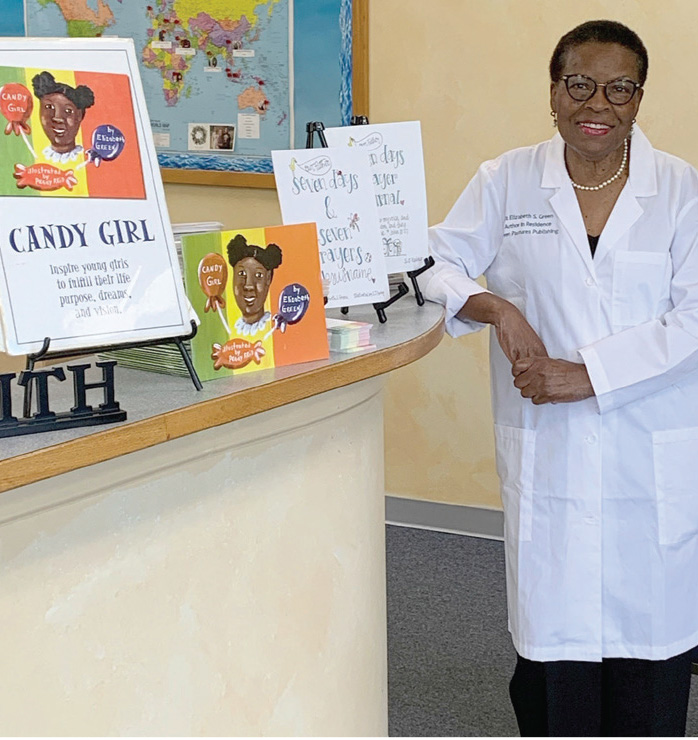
619, 172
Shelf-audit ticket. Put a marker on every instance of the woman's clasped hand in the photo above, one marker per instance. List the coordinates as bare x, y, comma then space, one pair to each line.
536, 375
545, 380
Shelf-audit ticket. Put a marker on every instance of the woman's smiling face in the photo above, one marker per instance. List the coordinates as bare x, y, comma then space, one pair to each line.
595, 128
60, 119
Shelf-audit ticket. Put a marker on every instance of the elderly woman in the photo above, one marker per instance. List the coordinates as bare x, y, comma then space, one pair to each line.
589, 243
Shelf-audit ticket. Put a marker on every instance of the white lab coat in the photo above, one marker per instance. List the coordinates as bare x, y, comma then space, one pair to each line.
600, 496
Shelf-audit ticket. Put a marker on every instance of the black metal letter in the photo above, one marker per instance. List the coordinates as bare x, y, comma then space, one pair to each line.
80, 387
41, 377
6, 398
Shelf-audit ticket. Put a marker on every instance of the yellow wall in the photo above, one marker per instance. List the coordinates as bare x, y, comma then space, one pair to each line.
475, 73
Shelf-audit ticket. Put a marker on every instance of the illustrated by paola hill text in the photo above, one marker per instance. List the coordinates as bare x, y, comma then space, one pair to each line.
70, 134
333, 188
258, 294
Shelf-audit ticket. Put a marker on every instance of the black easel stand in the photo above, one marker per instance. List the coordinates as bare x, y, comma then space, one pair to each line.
414, 274
44, 354
402, 290
312, 128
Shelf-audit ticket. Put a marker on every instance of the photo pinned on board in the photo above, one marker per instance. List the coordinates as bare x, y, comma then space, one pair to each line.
211, 137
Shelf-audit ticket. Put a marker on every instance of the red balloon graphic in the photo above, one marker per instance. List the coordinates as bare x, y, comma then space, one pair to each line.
16, 104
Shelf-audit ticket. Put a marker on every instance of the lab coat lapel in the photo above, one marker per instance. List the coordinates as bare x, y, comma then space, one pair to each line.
625, 213
564, 201
642, 182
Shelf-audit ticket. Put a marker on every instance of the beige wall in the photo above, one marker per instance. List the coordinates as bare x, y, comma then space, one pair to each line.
475, 73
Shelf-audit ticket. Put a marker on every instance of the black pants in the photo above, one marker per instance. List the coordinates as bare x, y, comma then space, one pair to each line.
619, 697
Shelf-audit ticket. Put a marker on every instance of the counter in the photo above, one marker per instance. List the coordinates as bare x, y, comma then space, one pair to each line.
214, 565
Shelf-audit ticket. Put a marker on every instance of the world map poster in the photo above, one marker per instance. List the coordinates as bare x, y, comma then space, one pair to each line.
226, 81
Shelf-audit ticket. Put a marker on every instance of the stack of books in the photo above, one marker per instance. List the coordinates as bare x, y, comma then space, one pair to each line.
349, 336
156, 358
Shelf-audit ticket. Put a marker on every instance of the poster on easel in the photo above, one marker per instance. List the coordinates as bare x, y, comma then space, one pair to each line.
259, 297
87, 256
397, 166
332, 187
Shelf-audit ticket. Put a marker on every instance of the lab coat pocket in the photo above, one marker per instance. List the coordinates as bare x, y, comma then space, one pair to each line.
515, 454
640, 286
675, 458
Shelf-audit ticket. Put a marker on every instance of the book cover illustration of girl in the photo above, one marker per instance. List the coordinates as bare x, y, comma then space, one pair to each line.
61, 110
47, 133
267, 317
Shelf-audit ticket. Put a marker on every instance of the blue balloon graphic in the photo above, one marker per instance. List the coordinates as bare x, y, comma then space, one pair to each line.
107, 144
293, 302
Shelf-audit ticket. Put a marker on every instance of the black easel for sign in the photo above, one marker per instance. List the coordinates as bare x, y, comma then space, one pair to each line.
414, 274
44, 354
318, 127
312, 128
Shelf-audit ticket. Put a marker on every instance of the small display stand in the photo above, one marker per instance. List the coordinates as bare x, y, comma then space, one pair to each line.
414, 274
45, 354
312, 128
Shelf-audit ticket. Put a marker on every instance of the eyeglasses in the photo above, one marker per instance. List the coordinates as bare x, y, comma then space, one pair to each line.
617, 92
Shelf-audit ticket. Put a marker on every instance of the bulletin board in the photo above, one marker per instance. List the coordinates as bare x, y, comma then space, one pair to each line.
227, 81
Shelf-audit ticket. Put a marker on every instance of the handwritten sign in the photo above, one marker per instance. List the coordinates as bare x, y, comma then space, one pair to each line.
332, 187
397, 166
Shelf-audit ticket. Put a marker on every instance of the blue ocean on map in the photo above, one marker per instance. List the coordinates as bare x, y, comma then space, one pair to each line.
11, 18
322, 92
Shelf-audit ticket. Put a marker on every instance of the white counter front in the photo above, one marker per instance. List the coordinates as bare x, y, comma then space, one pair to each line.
225, 580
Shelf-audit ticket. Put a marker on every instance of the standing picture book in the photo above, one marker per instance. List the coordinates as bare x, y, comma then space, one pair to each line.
333, 188
397, 164
258, 294
87, 255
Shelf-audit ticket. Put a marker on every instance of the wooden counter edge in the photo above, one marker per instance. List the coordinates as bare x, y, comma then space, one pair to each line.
131, 437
